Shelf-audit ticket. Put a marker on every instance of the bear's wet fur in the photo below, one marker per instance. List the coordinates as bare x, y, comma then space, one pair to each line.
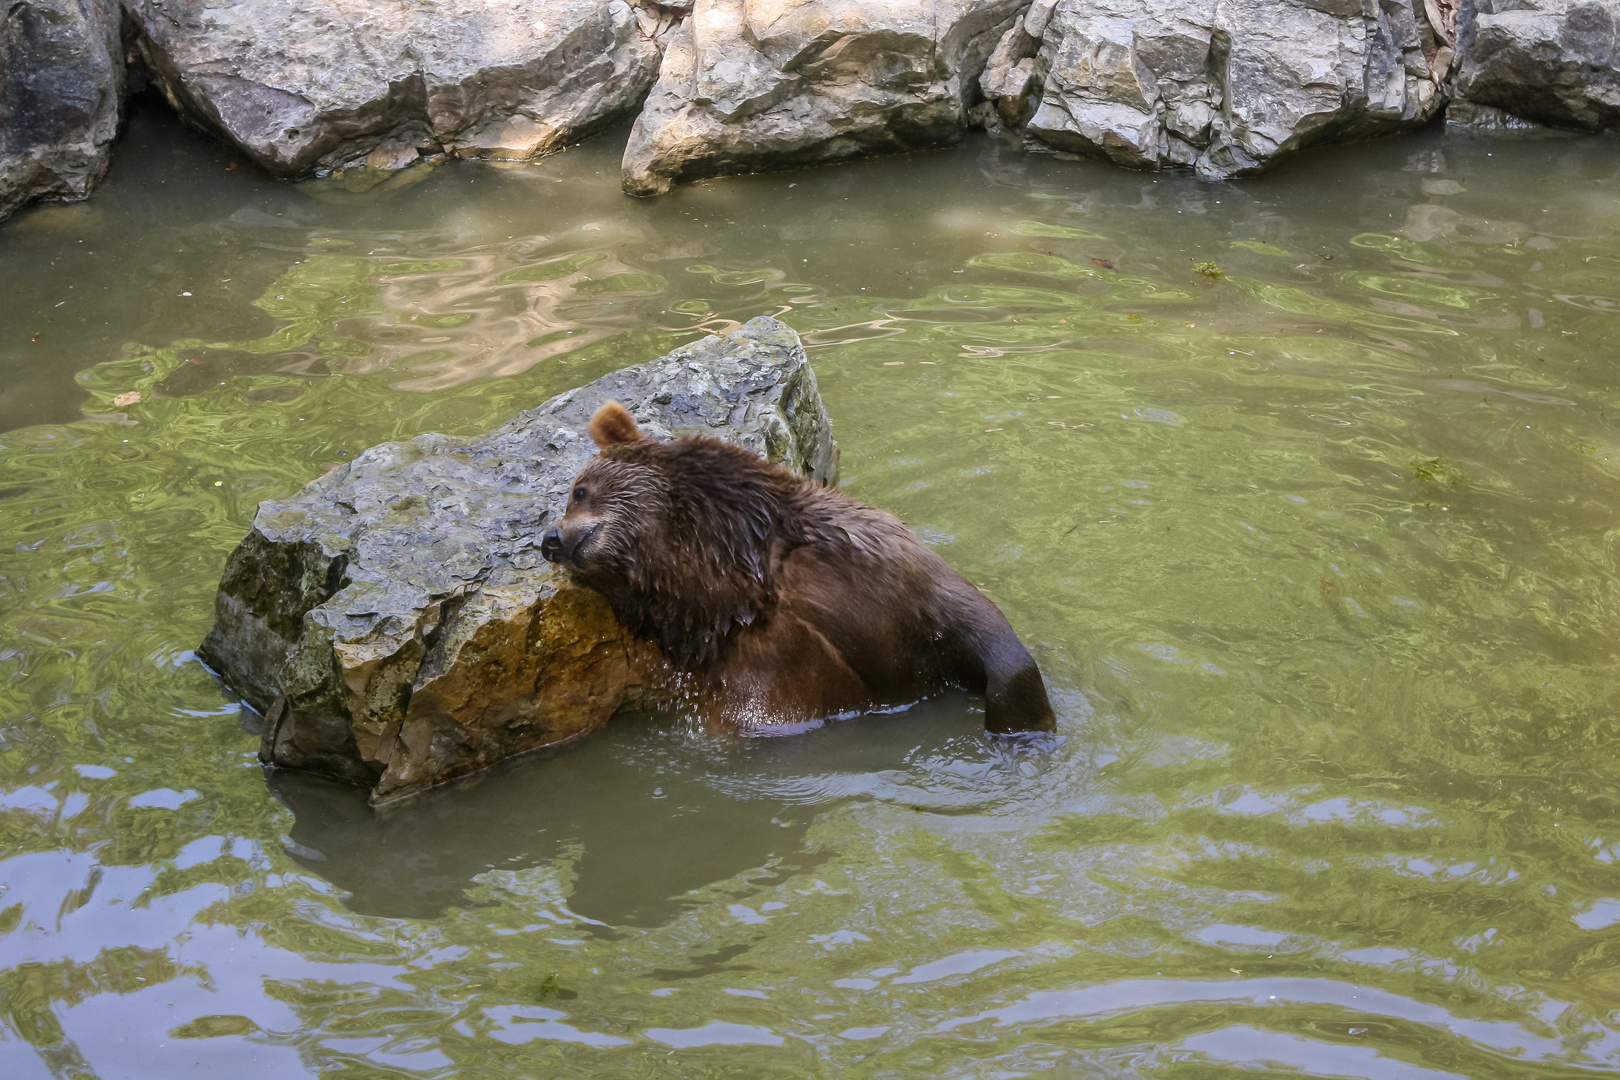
787, 601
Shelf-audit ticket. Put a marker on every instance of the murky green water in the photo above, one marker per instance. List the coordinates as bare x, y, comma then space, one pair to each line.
1318, 552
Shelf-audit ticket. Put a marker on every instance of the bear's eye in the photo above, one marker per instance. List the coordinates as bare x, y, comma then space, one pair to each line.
579, 494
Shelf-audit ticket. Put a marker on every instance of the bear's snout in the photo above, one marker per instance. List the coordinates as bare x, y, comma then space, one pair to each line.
563, 543
551, 545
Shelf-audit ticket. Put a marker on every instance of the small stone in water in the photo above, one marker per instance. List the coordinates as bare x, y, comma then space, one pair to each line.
129, 397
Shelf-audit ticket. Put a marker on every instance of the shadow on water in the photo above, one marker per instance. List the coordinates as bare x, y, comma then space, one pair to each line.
647, 811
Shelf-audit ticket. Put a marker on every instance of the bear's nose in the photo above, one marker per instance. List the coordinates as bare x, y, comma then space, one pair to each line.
551, 545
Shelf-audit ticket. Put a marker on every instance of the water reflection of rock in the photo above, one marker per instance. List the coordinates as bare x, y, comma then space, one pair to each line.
1427, 222
646, 811
646, 833
527, 303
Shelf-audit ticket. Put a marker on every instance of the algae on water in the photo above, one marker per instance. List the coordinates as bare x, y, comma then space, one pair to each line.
1437, 471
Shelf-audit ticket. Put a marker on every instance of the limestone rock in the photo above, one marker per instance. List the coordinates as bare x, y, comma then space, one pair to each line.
61, 95
752, 85
395, 622
1552, 61
1226, 86
315, 85
1009, 74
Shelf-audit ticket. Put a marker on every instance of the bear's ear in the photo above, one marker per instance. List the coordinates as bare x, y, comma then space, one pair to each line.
612, 425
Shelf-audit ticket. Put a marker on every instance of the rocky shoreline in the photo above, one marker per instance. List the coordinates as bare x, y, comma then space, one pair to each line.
717, 87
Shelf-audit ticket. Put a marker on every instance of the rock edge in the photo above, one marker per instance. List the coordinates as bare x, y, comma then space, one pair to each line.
368, 88
394, 621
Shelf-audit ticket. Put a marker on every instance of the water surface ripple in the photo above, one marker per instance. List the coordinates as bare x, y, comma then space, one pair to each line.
1302, 489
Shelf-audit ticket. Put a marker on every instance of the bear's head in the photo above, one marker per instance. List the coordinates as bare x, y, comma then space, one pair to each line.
677, 535
614, 501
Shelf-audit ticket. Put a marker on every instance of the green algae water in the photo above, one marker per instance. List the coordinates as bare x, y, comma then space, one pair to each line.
1303, 490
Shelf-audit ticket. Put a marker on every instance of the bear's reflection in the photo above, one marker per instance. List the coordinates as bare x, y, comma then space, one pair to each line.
653, 812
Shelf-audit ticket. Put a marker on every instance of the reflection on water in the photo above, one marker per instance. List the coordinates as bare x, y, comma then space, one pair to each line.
629, 867
685, 813
1303, 491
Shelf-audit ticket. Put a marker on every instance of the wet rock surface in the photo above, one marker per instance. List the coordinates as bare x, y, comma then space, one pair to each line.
752, 85
61, 93
373, 87
394, 621
319, 85
1227, 87
1550, 61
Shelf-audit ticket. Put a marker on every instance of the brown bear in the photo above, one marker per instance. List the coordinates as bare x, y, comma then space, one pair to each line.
785, 600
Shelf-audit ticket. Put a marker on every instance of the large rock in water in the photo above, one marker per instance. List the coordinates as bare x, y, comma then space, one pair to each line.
1552, 61
395, 622
61, 92
1225, 86
753, 85
315, 85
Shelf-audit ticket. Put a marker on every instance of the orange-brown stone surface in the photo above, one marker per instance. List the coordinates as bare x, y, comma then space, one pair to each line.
394, 621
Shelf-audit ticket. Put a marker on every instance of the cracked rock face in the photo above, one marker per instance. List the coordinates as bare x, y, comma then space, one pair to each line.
61, 92
321, 84
1551, 61
395, 622
753, 85
1225, 86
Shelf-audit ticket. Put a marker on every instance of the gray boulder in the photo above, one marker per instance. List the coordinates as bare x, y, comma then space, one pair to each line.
1552, 61
316, 85
1226, 86
395, 622
61, 96
754, 85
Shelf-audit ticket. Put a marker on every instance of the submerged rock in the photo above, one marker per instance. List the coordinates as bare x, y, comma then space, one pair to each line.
61, 95
1225, 86
395, 622
753, 85
1551, 61
318, 85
